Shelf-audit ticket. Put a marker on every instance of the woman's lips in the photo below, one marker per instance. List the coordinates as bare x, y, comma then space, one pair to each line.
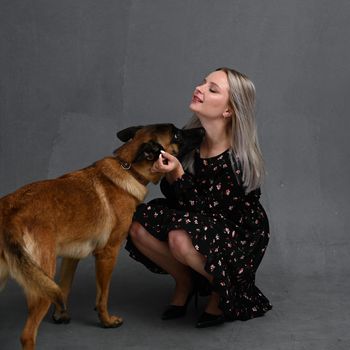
195, 98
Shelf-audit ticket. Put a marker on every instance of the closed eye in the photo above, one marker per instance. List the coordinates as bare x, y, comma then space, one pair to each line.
213, 87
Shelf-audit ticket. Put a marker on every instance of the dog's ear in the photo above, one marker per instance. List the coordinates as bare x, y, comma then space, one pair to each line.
148, 150
128, 133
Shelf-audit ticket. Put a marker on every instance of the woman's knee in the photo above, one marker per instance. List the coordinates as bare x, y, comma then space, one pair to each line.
179, 243
137, 232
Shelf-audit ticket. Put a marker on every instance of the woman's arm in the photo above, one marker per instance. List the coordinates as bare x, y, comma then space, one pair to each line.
220, 196
178, 185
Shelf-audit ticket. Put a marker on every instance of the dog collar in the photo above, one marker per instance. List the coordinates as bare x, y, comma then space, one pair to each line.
128, 167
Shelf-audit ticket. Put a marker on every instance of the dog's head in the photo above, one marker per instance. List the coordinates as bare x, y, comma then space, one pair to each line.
144, 143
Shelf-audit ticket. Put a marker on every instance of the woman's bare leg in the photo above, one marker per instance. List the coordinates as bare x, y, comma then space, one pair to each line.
160, 254
213, 304
183, 250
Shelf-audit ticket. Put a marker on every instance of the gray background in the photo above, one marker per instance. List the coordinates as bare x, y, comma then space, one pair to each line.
72, 73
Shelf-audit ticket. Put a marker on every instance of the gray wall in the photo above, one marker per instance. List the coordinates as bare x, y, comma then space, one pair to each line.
74, 72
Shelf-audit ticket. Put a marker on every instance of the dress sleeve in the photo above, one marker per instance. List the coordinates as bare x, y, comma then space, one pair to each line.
167, 189
183, 191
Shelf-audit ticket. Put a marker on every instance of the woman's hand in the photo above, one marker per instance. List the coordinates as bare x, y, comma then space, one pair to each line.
169, 165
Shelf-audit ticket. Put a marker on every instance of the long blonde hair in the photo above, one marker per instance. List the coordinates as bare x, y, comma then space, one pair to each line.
244, 143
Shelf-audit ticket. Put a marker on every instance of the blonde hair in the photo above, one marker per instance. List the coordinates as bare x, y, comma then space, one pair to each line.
244, 143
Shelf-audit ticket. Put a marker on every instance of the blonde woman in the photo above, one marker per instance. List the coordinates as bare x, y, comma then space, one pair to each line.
210, 226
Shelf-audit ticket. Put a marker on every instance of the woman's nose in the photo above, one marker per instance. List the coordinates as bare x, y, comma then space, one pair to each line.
199, 89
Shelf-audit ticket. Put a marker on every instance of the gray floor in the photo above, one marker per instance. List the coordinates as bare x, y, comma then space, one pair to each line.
308, 313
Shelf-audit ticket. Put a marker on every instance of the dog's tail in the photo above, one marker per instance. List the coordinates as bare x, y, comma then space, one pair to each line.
27, 272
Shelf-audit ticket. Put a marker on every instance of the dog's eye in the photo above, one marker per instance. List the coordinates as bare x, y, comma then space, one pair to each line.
176, 138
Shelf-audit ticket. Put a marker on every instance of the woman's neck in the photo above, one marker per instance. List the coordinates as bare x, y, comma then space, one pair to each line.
217, 139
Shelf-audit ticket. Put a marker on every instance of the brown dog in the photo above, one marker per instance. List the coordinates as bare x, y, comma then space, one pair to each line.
83, 212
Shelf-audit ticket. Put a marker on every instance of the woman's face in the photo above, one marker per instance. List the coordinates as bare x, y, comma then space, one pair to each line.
211, 98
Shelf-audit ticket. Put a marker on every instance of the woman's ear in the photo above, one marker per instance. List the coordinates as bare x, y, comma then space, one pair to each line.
228, 113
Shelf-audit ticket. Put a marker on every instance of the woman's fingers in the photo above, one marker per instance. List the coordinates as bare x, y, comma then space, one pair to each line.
163, 159
159, 166
165, 163
167, 156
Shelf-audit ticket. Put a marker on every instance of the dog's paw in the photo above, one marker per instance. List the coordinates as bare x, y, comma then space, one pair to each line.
113, 322
61, 317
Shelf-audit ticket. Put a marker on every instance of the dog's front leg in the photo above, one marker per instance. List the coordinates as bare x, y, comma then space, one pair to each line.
67, 271
105, 261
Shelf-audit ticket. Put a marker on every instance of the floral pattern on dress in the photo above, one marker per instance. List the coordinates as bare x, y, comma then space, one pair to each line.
227, 226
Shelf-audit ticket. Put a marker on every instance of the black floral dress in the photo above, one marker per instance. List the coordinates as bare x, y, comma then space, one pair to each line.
227, 226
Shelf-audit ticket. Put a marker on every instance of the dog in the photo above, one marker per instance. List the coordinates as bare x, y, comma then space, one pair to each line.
85, 212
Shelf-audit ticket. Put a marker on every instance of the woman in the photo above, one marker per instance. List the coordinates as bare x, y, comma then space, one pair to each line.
211, 225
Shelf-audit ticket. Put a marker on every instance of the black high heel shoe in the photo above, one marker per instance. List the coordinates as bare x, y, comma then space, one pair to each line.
208, 320
177, 311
